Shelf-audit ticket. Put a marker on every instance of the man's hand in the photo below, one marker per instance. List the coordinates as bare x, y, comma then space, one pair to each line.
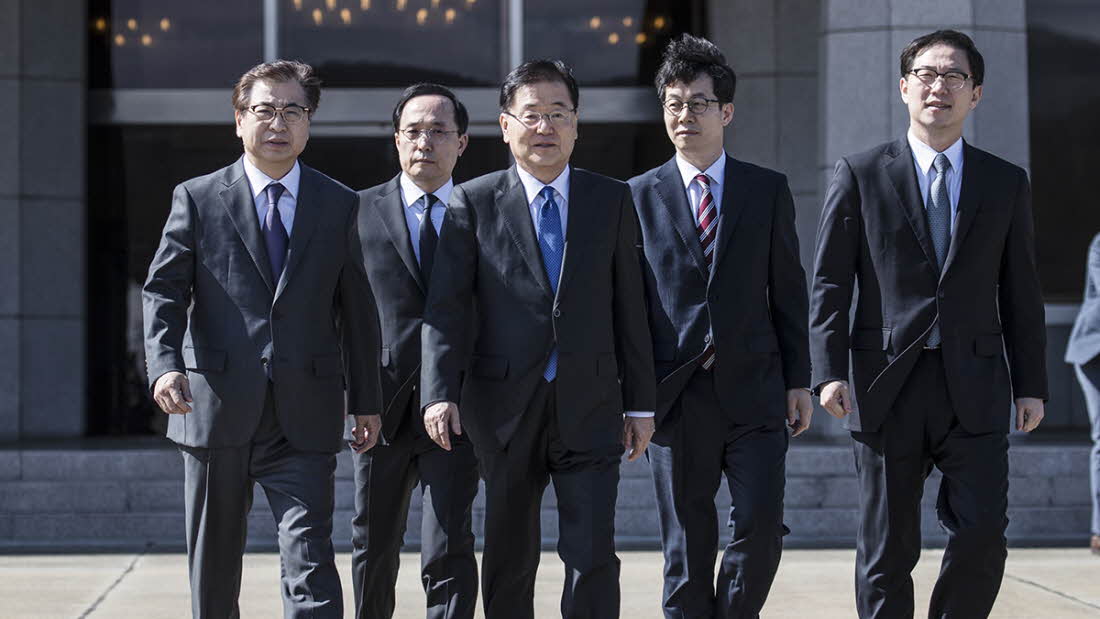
172, 393
836, 399
367, 431
440, 419
636, 434
799, 410
1029, 412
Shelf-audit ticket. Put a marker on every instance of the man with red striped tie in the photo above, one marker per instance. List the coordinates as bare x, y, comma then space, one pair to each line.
728, 318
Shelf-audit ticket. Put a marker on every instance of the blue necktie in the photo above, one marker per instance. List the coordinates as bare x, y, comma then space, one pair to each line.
428, 238
939, 225
551, 242
275, 236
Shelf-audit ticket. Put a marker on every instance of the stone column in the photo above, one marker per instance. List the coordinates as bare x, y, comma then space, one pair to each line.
42, 219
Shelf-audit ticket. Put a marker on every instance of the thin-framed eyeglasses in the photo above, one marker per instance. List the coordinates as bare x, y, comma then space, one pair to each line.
531, 118
953, 80
292, 113
695, 106
432, 135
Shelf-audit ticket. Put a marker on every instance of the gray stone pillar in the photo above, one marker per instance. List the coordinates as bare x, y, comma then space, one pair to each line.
42, 219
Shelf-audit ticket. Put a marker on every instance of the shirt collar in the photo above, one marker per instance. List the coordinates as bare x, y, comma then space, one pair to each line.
716, 171
260, 181
411, 193
532, 186
925, 155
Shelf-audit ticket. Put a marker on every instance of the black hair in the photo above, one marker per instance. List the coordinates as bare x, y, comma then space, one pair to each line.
534, 71
462, 117
279, 71
955, 39
688, 57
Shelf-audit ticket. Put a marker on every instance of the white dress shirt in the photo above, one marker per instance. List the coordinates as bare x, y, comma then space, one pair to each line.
532, 187
414, 208
288, 201
717, 175
923, 157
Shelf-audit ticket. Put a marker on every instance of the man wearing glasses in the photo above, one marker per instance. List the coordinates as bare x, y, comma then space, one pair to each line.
727, 314
548, 254
399, 224
257, 315
937, 235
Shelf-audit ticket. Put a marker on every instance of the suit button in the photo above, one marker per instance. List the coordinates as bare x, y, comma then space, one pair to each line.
414, 387
707, 339
940, 295
557, 313
264, 360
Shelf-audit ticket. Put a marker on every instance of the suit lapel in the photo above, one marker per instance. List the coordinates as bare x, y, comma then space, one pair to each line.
735, 195
669, 188
903, 176
241, 205
969, 200
580, 229
306, 213
391, 209
515, 211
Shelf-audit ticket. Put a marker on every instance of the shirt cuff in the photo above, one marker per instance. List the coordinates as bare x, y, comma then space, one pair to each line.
639, 413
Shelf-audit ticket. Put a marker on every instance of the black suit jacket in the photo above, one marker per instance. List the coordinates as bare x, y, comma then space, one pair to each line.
1084, 340
874, 233
212, 309
753, 302
488, 252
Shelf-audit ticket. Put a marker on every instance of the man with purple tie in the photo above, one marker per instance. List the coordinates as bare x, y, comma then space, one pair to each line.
259, 329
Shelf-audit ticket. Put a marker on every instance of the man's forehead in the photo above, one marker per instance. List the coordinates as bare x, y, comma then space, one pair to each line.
280, 93
543, 93
701, 86
942, 54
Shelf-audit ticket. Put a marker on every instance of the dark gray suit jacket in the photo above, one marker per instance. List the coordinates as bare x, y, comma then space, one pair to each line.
753, 301
488, 251
874, 232
212, 309
1084, 340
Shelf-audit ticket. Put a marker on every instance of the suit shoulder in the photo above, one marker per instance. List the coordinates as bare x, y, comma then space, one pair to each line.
766, 174
218, 178
997, 164
370, 194
643, 179
866, 159
328, 182
598, 179
485, 183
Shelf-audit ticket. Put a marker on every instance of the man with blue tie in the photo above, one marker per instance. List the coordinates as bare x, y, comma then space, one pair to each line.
548, 253
938, 237
399, 222
727, 315
260, 331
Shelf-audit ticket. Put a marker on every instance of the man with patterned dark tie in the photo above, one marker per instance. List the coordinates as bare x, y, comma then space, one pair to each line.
938, 237
549, 255
399, 223
727, 299
257, 315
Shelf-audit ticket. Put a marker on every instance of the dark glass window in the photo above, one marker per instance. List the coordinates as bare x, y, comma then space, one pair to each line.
1063, 41
164, 44
359, 43
611, 43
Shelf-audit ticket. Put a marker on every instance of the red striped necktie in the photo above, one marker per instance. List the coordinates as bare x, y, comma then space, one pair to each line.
706, 221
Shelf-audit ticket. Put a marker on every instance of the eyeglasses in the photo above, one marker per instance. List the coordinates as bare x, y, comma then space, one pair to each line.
695, 106
953, 80
292, 113
531, 119
432, 135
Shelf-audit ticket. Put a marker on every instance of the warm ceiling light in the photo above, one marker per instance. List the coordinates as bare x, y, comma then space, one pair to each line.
297, 5
120, 40
659, 22
131, 24
594, 23
470, 3
330, 5
165, 24
100, 24
401, 4
449, 16
628, 21
640, 38
613, 38
421, 17
364, 5
146, 40
318, 17
435, 4
345, 16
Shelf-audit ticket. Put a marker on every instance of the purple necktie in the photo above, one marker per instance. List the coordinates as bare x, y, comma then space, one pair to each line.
275, 236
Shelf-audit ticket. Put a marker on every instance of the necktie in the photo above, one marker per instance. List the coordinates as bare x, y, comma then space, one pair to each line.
552, 243
275, 236
706, 219
428, 238
939, 225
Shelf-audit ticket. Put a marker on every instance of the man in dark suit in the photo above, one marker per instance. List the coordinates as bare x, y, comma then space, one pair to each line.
399, 223
549, 253
938, 236
253, 289
1083, 351
727, 312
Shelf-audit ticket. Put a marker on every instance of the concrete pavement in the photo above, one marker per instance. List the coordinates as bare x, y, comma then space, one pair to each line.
1039, 583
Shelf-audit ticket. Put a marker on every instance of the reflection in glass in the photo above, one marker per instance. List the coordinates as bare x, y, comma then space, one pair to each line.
362, 43
165, 44
610, 43
1063, 44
